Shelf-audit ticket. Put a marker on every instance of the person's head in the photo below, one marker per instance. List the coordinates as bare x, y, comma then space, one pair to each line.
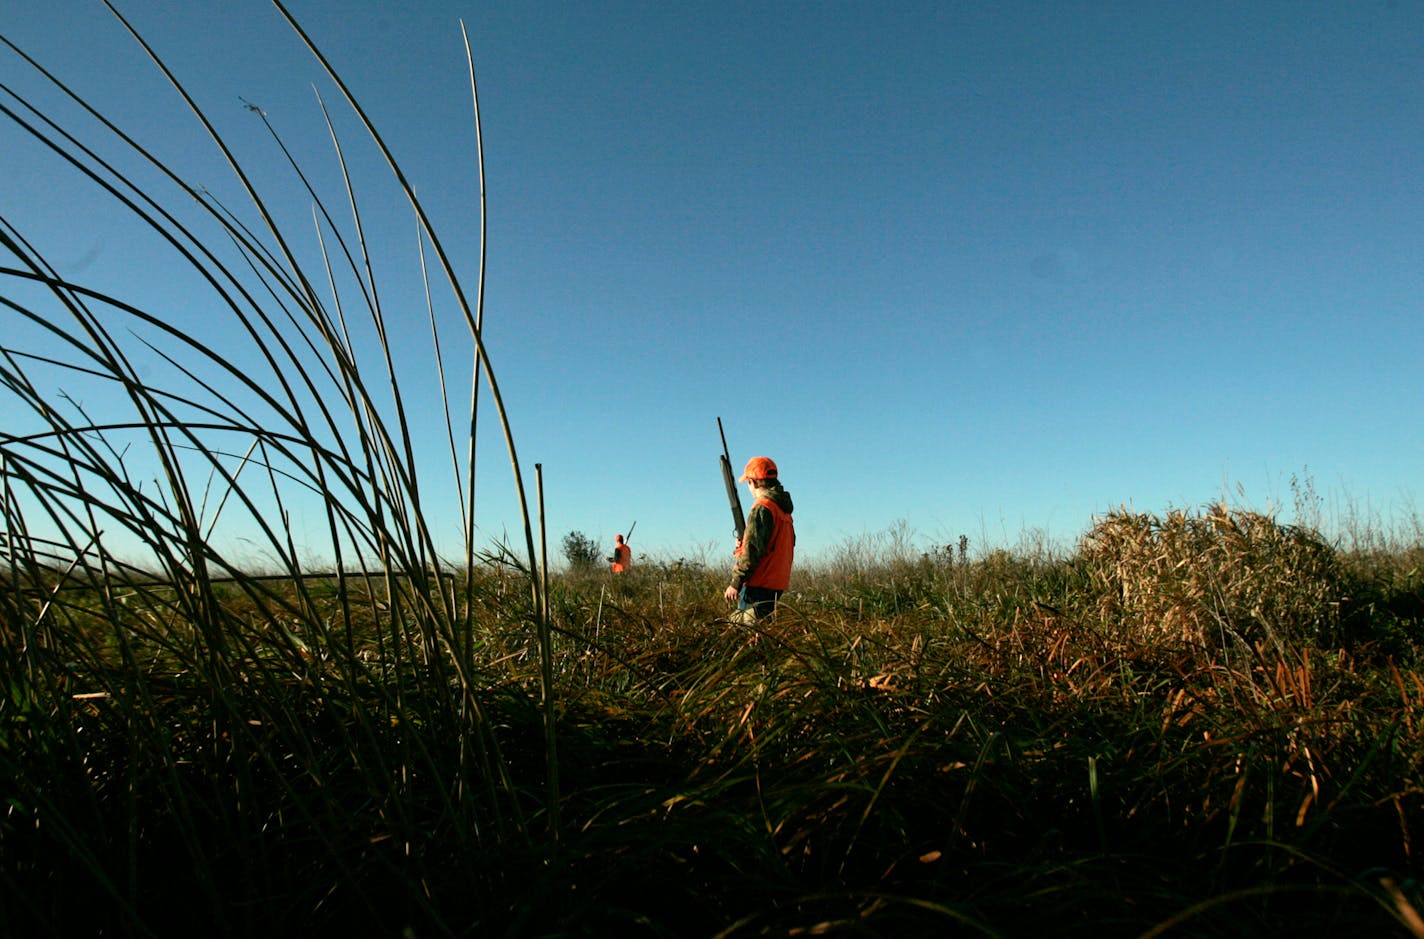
618, 538
760, 472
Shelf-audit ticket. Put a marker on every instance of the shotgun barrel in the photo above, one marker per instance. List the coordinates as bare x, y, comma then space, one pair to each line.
739, 522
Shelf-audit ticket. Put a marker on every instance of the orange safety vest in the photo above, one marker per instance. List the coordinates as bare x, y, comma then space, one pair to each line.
622, 558
773, 571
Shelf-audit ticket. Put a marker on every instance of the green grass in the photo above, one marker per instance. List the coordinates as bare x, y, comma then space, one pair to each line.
973, 765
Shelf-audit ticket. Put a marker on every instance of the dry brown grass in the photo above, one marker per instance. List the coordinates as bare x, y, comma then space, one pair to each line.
1223, 578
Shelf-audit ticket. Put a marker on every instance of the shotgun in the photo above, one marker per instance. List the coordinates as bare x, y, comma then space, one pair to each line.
734, 498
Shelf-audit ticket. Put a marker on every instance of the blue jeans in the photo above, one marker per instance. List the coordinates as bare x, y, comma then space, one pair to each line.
760, 600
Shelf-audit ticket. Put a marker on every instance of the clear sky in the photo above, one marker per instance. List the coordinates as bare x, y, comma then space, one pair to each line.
981, 268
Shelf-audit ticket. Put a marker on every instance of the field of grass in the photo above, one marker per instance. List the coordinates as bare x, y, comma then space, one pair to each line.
1205, 723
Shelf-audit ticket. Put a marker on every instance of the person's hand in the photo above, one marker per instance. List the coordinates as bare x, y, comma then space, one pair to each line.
730, 593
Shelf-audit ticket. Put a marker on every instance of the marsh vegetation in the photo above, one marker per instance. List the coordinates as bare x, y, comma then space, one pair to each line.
990, 747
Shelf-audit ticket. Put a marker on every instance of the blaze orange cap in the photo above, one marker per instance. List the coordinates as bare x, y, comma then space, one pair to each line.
759, 467
619, 537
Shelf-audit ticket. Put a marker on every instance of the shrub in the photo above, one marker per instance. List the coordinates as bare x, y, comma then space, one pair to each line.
579, 550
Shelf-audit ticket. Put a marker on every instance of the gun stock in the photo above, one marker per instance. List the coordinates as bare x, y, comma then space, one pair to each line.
729, 479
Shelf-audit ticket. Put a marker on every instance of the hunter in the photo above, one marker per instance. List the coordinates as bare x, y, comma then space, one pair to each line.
622, 557
763, 567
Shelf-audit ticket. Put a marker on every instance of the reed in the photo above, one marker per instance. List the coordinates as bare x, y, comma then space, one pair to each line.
168, 711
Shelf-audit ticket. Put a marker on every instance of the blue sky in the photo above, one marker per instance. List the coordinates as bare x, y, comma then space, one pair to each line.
978, 268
